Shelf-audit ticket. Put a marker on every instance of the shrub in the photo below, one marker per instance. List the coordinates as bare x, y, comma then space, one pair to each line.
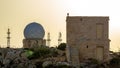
93, 61
62, 46
115, 61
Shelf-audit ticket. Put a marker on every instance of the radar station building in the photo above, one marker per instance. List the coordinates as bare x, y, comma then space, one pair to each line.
34, 34
87, 37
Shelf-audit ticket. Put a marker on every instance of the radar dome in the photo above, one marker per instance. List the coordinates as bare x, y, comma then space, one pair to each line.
34, 31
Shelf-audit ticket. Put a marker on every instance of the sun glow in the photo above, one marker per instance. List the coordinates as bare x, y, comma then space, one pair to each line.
52, 15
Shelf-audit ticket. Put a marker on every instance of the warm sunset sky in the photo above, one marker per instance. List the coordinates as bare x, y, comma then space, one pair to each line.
16, 14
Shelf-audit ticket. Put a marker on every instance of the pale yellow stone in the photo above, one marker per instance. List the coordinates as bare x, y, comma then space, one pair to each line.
82, 39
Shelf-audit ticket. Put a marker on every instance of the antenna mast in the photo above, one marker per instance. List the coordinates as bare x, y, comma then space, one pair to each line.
59, 38
8, 38
48, 39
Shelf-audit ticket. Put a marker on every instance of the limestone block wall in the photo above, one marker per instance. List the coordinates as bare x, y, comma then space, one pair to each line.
82, 34
32, 43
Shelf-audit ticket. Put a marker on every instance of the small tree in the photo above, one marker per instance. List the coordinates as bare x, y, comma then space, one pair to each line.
62, 46
40, 52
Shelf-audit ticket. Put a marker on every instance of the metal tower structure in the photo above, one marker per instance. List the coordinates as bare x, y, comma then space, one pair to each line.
8, 38
48, 39
59, 38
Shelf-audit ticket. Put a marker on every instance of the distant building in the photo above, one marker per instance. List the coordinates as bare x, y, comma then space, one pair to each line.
34, 34
87, 37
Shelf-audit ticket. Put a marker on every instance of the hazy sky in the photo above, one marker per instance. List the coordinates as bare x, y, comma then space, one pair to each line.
16, 14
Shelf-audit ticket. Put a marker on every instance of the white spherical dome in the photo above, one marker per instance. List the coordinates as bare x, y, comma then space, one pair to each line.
34, 31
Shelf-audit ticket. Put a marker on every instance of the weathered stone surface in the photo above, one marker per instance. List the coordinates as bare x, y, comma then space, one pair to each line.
86, 40
15, 58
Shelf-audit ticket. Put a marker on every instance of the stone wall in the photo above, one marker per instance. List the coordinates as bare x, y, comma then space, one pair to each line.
82, 38
32, 43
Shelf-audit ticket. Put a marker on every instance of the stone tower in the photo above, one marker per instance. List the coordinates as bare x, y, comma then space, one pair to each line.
87, 37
